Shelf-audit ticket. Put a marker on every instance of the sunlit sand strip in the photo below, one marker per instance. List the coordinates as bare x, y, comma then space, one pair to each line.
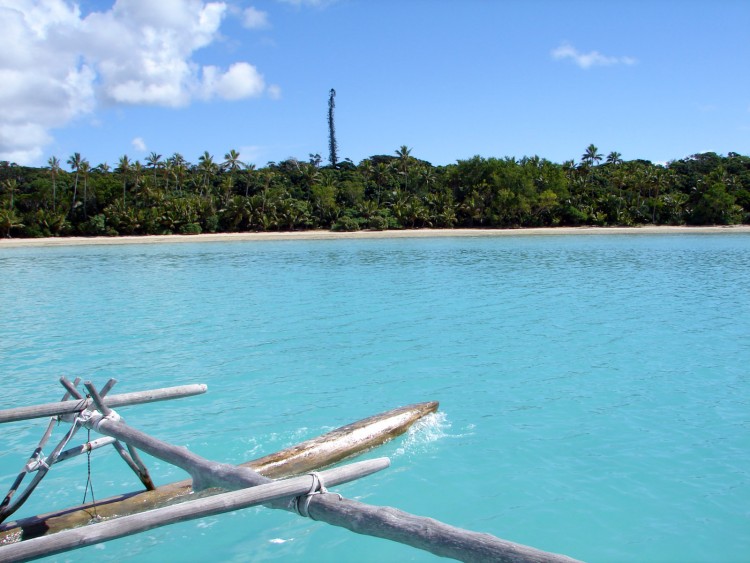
328, 235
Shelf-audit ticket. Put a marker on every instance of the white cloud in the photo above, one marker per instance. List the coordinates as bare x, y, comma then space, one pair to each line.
242, 80
274, 92
587, 60
44, 84
24, 141
57, 65
139, 144
254, 19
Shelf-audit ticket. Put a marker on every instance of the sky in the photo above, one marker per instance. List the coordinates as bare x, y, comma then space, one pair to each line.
657, 80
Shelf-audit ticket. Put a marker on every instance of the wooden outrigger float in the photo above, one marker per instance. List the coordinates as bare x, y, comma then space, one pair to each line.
250, 484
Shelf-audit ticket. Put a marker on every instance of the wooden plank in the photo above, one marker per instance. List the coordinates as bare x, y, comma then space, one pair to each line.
308, 456
202, 507
113, 401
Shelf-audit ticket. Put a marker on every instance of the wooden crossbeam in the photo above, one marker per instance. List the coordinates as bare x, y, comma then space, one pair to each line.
112, 401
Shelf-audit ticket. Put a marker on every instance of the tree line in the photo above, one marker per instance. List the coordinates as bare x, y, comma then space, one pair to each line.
397, 191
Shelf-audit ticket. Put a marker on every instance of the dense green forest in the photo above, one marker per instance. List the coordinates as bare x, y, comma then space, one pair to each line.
399, 191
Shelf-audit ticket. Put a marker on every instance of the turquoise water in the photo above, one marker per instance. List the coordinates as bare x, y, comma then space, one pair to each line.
594, 389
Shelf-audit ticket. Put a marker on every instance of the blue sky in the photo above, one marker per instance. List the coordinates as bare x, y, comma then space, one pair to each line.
658, 80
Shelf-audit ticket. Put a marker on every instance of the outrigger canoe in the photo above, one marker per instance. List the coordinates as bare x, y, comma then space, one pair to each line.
316, 453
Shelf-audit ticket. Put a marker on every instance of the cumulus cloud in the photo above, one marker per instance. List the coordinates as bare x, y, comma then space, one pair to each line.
587, 60
242, 80
139, 144
44, 83
57, 65
254, 19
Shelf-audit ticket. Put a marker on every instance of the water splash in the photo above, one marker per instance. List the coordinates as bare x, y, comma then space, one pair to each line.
424, 433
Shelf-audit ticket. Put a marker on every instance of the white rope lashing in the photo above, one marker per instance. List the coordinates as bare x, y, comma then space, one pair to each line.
302, 502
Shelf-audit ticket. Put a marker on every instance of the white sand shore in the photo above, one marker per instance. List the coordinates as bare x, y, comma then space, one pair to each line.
325, 235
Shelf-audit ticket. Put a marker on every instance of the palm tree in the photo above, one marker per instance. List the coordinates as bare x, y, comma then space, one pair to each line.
11, 186
382, 174
8, 221
178, 166
614, 158
54, 171
85, 168
154, 162
124, 169
75, 164
137, 174
232, 161
250, 170
404, 160
592, 155
207, 168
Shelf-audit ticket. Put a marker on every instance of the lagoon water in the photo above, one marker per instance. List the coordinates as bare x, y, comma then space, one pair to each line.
594, 390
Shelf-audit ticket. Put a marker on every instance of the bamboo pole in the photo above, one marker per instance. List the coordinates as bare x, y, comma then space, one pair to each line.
307, 456
209, 506
113, 401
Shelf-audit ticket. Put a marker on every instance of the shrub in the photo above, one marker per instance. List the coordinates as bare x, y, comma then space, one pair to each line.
191, 229
346, 224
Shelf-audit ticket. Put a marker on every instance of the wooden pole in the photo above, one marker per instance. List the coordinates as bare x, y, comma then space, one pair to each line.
113, 401
82, 449
209, 506
426, 533
307, 456
98, 400
34, 460
10, 505
71, 388
129, 456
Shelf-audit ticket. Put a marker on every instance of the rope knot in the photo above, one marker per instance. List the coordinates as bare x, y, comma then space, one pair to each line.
302, 502
96, 418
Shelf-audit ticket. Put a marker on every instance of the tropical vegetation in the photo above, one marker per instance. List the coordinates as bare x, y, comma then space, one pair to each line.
71, 197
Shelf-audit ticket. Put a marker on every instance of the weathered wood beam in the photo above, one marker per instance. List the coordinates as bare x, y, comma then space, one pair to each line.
202, 507
426, 533
113, 401
307, 456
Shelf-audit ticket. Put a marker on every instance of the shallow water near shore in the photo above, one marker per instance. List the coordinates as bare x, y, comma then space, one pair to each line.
594, 390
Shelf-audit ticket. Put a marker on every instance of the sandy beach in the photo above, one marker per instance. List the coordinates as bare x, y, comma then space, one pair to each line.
326, 235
